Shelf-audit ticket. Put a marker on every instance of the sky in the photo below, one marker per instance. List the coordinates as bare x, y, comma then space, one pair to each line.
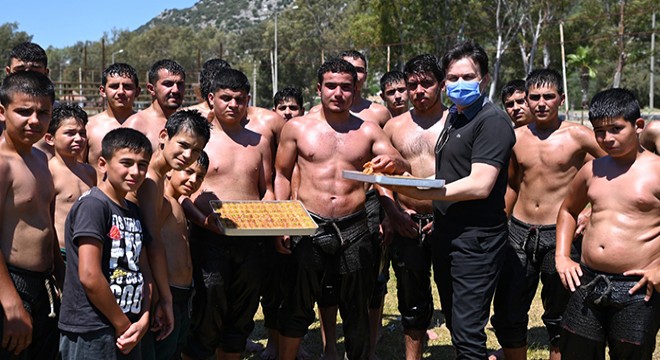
63, 23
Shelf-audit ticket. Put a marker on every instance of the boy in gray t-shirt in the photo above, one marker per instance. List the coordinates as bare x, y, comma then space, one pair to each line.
105, 306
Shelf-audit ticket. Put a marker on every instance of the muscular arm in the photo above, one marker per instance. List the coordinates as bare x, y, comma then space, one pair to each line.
96, 286
17, 323
266, 175
575, 201
387, 159
513, 186
287, 153
150, 205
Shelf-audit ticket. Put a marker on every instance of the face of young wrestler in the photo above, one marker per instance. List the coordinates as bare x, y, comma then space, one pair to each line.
188, 180
395, 97
26, 118
516, 106
544, 102
125, 170
424, 90
17, 65
361, 69
120, 91
229, 105
168, 89
336, 91
70, 139
182, 149
288, 109
617, 137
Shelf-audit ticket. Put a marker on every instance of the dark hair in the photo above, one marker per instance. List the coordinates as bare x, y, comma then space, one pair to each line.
544, 77
206, 75
28, 51
613, 104
336, 65
170, 65
124, 138
203, 160
288, 93
26, 82
229, 79
66, 111
391, 77
511, 87
119, 69
424, 64
189, 120
355, 55
467, 49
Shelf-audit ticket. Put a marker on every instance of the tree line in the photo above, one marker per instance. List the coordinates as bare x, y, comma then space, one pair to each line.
607, 42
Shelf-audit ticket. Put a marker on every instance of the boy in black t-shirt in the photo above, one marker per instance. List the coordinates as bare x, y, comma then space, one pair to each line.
105, 307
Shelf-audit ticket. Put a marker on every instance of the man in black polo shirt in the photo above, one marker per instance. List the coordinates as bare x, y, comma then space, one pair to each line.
472, 154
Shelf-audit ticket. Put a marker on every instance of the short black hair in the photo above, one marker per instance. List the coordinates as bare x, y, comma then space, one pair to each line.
189, 120
203, 160
423, 64
125, 138
288, 93
355, 55
613, 104
391, 77
336, 65
170, 65
30, 83
511, 87
28, 51
229, 79
119, 69
206, 75
544, 77
66, 111
467, 49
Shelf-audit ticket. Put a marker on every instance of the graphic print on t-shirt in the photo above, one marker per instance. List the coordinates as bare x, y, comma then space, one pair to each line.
126, 280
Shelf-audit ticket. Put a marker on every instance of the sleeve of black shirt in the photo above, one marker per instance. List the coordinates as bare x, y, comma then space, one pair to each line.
494, 138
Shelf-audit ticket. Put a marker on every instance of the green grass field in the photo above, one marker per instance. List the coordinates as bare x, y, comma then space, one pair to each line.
391, 345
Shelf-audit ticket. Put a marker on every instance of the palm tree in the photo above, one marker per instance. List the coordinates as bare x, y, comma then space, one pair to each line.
584, 60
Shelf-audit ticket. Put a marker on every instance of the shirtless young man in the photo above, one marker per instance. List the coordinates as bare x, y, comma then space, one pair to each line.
614, 302
394, 93
361, 107
205, 76
66, 134
231, 266
28, 250
29, 56
650, 137
180, 142
547, 155
263, 121
166, 85
322, 144
120, 88
414, 134
515, 103
378, 114
175, 235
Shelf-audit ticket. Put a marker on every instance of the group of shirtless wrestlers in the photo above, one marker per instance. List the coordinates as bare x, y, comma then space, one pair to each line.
555, 170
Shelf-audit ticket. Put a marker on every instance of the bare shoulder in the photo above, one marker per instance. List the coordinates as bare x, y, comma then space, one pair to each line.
89, 172
396, 123
577, 131
134, 120
266, 118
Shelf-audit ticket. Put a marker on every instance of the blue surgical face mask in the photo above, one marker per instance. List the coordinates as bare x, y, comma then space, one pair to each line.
463, 93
